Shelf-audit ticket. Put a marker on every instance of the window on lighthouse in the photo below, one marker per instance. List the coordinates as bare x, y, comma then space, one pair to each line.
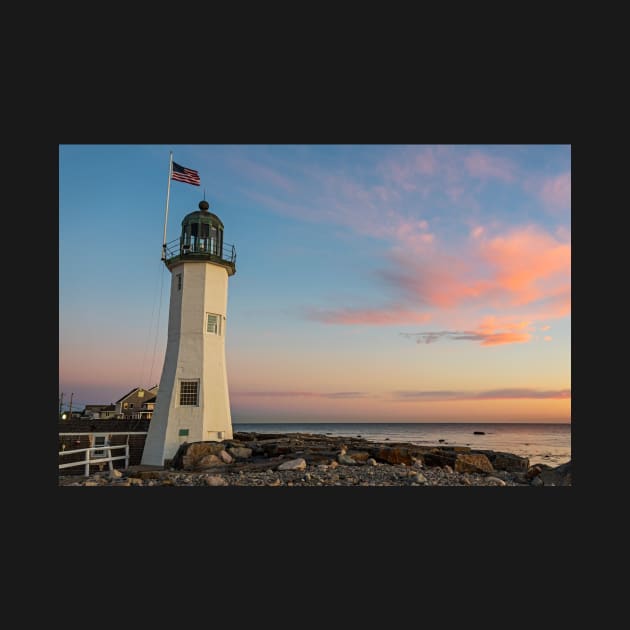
189, 393
213, 324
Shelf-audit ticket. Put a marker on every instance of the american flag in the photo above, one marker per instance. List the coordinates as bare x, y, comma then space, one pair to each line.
186, 175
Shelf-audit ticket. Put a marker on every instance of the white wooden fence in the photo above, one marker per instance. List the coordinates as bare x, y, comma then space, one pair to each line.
96, 460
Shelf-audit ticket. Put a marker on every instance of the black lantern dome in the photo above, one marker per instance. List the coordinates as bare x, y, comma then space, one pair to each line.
202, 240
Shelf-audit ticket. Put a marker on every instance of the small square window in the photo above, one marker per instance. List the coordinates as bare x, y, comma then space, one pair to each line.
99, 440
179, 281
189, 393
213, 324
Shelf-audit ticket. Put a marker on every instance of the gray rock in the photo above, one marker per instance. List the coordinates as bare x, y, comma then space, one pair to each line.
294, 464
371, 461
419, 478
559, 476
510, 462
447, 469
240, 452
537, 482
345, 460
226, 457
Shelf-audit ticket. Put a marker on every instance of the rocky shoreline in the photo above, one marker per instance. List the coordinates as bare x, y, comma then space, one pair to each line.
306, 459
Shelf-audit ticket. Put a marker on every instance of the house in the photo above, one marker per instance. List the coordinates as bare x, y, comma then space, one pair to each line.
146, 411
99, 412
136, 404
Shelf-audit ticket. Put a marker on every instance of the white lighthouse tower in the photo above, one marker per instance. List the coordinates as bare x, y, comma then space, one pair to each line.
193, 401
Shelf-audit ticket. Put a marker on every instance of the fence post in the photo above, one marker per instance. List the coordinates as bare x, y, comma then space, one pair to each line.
87, 463
127, 455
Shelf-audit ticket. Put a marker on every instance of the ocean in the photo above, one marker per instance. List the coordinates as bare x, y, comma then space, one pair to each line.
542, 443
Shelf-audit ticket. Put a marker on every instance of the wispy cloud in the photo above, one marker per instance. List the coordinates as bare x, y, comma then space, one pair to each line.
556, 191
302, 394
484, 166
262, 173
485, 339
376, 316
493, 394
522, 272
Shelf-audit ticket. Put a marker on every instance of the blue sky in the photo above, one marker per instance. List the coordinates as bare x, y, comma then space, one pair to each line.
384, 282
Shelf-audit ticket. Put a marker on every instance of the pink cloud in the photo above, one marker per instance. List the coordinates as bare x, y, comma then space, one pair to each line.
548, 338
301, 394
524, 273
425, 163
263, 173
497, 339
482, 165
556, 191
526, 263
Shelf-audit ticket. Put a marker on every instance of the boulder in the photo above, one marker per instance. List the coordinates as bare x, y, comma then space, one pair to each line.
393, 455
534, 471
371, 461
358, 456
346, 460
439, 457
510, 462
207, 461
559, 476
189, 453
419, 478
293, 464
240, 452
472, 463
226, 457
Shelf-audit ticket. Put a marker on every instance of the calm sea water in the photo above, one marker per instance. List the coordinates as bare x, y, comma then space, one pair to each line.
542, 443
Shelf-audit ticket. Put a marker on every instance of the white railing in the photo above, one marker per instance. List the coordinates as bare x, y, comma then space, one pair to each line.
96, 460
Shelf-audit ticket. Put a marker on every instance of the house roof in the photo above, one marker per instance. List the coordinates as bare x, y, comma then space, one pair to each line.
133, 391
152, 390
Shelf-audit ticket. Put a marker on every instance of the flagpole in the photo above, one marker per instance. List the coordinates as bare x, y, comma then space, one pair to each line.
168, 194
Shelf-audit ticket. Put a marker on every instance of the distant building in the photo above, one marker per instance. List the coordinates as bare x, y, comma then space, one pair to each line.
99, 412
136, 404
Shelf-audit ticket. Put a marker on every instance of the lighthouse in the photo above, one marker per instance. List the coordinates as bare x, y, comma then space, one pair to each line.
193, 402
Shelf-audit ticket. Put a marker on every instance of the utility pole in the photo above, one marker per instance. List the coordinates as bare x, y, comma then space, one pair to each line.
60, 403
70, 410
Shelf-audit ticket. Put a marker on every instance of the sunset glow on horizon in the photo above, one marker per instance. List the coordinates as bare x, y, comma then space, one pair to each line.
373, 282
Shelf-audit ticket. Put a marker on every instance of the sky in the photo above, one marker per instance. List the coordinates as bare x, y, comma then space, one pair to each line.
396, 283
